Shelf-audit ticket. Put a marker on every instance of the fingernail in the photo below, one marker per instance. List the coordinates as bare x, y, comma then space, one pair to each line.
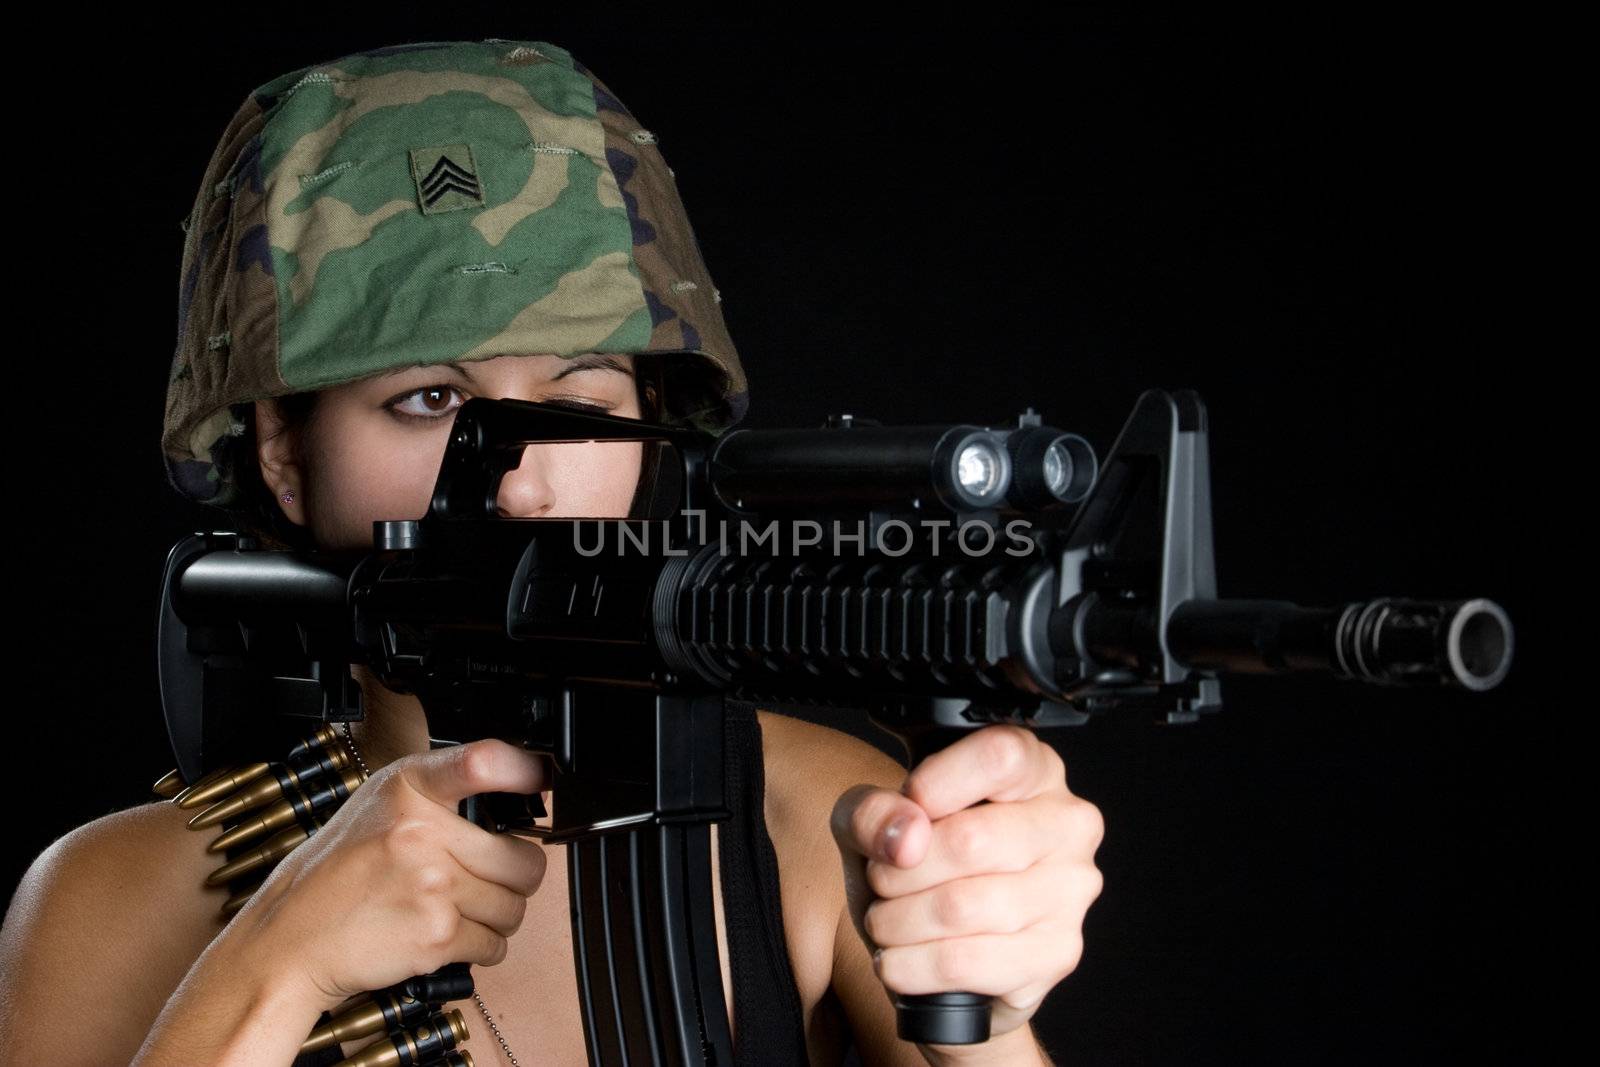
890, 844
877, 960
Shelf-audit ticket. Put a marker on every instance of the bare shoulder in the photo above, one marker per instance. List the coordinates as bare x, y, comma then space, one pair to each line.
808, 765
102, 928
807, 768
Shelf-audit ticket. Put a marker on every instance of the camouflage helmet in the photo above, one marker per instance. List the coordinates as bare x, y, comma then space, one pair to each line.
428, 203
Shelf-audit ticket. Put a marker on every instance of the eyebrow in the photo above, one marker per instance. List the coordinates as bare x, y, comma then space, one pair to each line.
574, 364
591, 361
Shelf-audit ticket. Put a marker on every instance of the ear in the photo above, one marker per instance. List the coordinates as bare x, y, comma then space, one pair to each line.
278, 450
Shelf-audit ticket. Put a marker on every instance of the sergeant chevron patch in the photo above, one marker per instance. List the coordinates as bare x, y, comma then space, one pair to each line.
446, 177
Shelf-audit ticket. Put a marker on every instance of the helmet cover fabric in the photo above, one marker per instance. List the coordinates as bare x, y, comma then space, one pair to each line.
423, 204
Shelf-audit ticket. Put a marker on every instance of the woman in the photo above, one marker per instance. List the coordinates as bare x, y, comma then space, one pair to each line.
375, 240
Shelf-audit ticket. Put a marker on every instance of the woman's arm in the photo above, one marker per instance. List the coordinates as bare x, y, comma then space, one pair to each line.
107, 923
230, 1012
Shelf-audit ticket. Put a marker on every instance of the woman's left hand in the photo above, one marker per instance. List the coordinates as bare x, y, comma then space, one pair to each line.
982, 897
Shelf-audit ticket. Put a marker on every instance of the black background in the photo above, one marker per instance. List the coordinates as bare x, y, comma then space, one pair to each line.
1334, 228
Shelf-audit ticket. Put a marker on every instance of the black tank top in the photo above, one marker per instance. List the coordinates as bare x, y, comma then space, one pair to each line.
769, 1028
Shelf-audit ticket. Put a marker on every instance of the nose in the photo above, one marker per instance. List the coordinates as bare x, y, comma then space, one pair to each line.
526, 492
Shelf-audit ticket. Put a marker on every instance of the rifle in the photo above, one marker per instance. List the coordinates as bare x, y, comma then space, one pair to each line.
617, 661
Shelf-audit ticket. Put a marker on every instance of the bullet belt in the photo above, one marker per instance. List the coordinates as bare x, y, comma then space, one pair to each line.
275, 807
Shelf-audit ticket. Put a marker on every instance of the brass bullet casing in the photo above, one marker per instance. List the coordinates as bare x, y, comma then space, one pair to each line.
385, 1011
168, 785
274, 785
271, 820
325, 736
423, 1044
267, 853
299, 806
204, 779
220, 786
349, 1003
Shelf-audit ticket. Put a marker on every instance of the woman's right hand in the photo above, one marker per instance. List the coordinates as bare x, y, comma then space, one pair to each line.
397, 883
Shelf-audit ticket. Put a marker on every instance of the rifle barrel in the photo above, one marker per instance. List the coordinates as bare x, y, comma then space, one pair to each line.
1465, 643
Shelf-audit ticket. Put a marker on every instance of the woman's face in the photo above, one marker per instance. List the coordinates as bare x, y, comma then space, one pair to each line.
372, 448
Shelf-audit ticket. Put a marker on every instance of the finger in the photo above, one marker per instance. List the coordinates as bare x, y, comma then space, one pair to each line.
476, 943
516, 864
492, 905
983, 904
991, 964
861, 821
449, 775
988, 839
880, 825
996, 763
416, 844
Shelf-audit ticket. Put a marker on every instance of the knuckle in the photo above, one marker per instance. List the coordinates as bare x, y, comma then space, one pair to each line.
478, 761
1096, 883
957, 907
437, 926
534, 867
967, 842
1093, 823
1004, 751
1071, 953
404, 839
430, 879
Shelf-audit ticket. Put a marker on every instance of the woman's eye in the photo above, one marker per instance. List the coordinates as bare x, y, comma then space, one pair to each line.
425, 403
429, 403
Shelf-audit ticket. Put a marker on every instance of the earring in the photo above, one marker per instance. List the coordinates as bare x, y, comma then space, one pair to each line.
288, 497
